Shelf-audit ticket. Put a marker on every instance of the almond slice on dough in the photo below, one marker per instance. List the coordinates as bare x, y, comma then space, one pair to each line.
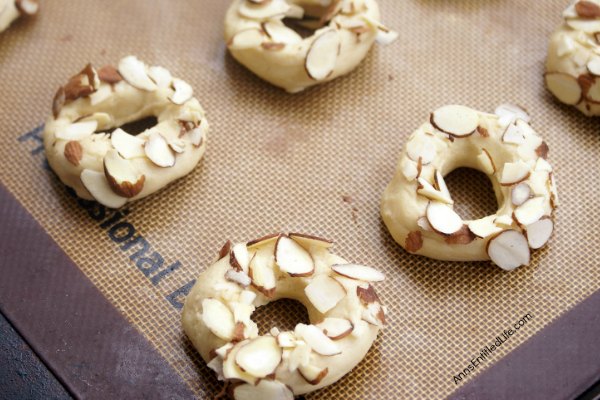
260, 357
359, 272
509, 250
322, 55
455, 120
95, 182
324, 293
443, 219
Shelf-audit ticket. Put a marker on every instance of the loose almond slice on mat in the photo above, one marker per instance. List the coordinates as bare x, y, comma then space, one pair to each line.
218, 318
127, 145
324, 293
455, 120
539, 232
134, 72
509, 250
260, 357
122, 175
443, 219
265, 389
564, 87
293, 258
359, 272
336, 328
322, 55
158, 151
96, 183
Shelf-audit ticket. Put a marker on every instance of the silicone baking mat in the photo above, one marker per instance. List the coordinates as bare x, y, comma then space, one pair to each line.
315, 162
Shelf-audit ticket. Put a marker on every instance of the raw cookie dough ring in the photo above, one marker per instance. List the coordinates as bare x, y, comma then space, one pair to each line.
118, 167
417, 207
573, 64
345, 31
10, 10
342, 305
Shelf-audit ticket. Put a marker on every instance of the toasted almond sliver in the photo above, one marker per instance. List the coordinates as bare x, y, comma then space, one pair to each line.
322, 56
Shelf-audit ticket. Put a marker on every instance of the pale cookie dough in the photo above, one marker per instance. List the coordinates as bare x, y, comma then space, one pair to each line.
10, 10
114, 168
573, 64
344, 311
417, 207
344, 32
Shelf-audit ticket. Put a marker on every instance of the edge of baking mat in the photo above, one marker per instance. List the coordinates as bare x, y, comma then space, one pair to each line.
86, 343
561, 361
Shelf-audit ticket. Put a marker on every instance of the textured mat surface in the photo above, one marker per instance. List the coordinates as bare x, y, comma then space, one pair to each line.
316, 162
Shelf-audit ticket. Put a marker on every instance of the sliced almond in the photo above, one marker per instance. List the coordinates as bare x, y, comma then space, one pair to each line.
292, 258
58, 102
73, 152
263, 240
374, 314
134, 72
585, 25
239, 258
440, 184
322, 55
247, 297
260, 357
336, 328
455, 120
593, 66
587, 9
231, 370
592, 90
225, 250
299, 356
263, 275
543, 165
123, 177
367, 295
103, 93
312, 374
286, 339
386, 36
109, 74
520, 194
183, 92
514, 173
443, 219
264, 389
310, 241
95, 182
246, 39
509, 250
76, 131
324, 293
513, 135
358, 272
239, 277
542, 150
484, 227
218, 318
427, 190
162, 77
280, 33
263, 10
177, 145
564, 87
317, 340
530, 211
27, 7
504, 220
158, 151
216, 364
486, 162
424, 224
422, 147
414, 240
539, 232
463, 236
509, 113
553, 191
127, 145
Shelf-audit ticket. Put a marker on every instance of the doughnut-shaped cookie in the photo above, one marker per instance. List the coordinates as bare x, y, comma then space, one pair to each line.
417, 207
10, 10
114, 168
344, 311
573, 64
344, 31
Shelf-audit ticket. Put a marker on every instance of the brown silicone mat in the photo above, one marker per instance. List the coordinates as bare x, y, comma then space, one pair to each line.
316, 162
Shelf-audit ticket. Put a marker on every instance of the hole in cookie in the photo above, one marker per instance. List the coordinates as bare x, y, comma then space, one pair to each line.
472, 192
315, 17
284, 314
137, 127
